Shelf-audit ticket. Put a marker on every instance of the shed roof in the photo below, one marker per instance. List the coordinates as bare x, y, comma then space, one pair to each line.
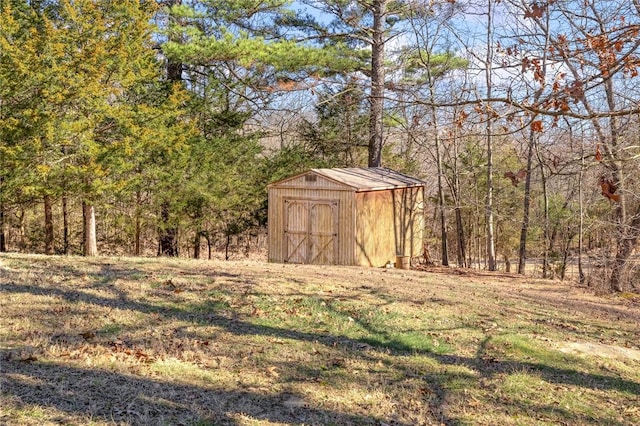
364, 179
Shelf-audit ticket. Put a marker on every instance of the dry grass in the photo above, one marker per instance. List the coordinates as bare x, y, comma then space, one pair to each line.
180, 342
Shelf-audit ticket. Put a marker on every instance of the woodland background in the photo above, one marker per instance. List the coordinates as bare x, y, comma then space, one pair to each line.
153, 128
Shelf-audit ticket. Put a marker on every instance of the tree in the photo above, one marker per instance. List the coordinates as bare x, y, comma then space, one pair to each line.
236, 60
379, 12
337, 135
423, 68
372, 25
24, 48
74, 61
594, 52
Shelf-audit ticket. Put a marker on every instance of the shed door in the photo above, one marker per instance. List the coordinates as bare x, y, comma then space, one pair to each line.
311, 231
296, 230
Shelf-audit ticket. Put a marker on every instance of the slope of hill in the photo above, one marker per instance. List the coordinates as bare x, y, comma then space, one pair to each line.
181, 342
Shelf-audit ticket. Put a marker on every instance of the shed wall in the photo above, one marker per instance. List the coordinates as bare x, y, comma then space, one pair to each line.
318, 190
388, 224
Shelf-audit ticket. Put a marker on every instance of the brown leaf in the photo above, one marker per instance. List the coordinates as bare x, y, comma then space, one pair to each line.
22, 356
608, 189
142, 356
516, 177
536, 11
537, 126
575, 90
338, 362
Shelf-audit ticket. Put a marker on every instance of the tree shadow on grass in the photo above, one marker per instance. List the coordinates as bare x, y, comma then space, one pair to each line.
135, 400
234, 401
206, 314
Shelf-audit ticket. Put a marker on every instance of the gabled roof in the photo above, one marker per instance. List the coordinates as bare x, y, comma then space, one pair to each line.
363, 179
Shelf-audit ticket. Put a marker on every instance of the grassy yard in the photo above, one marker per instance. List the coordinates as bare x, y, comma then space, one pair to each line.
129, 341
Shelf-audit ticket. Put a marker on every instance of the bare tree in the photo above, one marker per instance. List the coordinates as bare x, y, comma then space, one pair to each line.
596, 47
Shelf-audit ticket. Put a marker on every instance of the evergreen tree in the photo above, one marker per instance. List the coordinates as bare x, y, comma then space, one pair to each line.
338, 136
236, 60
66, 68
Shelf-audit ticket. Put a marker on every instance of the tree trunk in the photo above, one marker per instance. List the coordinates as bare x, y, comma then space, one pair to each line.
89, 221
626, 244
174, 69
522, 254
22, 244
377, 84
546, 225
581, 276
545, 228
196, 245
556, 227
491, 248
462, 255
226, 247
478, 215
565, 255
3, 239
168, 235
65, 226
460, 234
48, 225
136, 237
168, 238
441, 202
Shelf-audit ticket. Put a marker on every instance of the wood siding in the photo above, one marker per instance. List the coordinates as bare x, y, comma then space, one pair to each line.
388, 224
316, 219
313, 181
320, 220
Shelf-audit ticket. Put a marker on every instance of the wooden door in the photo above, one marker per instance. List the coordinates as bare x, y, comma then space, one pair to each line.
311, 231
296, 230
323, 232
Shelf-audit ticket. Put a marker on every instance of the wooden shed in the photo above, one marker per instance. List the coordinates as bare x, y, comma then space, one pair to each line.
346, 216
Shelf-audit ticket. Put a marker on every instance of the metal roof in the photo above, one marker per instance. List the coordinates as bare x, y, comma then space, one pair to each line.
365, 179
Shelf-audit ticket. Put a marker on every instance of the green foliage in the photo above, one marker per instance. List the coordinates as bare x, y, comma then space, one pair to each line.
223, 190
247, 34
65, 73
339, 136
290, 160
235, 58
86, 115
423, 67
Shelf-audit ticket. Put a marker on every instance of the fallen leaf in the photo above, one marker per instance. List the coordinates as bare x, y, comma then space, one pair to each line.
338, 362
142, 356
